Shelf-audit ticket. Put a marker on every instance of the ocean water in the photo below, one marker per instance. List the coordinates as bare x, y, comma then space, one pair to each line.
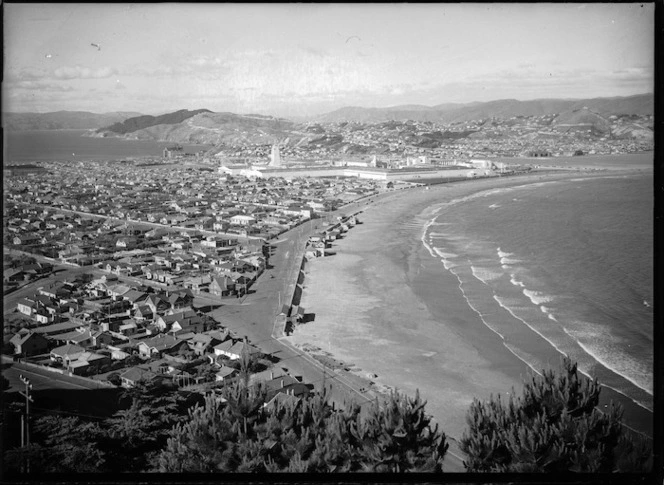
565, 264
58, 145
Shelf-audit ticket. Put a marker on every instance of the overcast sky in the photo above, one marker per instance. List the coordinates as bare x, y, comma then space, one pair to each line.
295, 59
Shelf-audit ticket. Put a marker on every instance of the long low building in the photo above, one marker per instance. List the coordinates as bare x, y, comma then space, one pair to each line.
388, 175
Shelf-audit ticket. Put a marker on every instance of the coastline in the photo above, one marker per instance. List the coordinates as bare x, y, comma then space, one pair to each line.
376, 309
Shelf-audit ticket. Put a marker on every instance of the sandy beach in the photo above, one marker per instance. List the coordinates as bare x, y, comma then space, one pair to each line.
382, 305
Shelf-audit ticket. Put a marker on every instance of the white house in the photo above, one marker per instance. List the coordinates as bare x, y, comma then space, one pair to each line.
243, 220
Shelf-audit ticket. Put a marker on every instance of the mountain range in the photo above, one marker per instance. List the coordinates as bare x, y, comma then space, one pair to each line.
62, 120
642, 104
202, 126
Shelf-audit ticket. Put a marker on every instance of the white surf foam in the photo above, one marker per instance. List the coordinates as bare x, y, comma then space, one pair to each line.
505, 259
494, 206
537, 297
488, 325
519, 354
503, 254
511, 307
547, 312
423, 237
616, 361
440, 252
485, 275
514, 281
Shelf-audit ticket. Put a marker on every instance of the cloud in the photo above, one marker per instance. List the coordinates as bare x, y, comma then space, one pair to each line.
78, 72
205, 61
202, 67
31, 85
28, 74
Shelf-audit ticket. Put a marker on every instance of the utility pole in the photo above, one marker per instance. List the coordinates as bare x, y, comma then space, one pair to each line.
28, 398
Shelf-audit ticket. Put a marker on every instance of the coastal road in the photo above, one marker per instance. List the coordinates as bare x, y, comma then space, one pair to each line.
59, 274
42, 379
254, 315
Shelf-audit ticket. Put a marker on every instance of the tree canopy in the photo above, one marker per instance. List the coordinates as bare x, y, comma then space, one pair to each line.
305, 435
554, 426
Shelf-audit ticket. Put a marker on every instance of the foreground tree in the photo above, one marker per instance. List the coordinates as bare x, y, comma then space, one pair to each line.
305, 435
61, 445
553, 426
138, 432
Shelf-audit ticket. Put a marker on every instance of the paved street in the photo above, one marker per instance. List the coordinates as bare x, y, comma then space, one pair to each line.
41, 378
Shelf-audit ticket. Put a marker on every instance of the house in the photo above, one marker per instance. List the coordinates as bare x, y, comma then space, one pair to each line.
134, 375
187, 320
202, 343
235, 350
180, 299
66, 353
143, 312
285, 384
80, 336
267, 375
225, 373
242, 220
117, 290
44, 317
117, 353
13, 275
56, 291
221, 285
26, 239
56, 328
280, 400
161, 344
27, 307
157, 304
135, 297
29, 343
88, 361
198, 283
128, 327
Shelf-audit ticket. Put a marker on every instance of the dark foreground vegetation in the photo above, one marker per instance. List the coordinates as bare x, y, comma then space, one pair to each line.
553, 426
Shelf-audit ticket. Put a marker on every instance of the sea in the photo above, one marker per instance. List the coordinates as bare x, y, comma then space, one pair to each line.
63, 145
560, 268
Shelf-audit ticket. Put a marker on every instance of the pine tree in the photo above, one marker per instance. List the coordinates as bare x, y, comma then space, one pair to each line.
137, 432
60, 445
398, 437
553, 426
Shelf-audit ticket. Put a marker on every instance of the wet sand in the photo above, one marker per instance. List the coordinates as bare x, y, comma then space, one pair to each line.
384, 304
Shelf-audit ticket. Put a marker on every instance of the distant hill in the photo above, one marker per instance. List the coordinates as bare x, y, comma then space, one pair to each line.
376, 115
62, 120
206, 127
506, 108
145, 121
581, 118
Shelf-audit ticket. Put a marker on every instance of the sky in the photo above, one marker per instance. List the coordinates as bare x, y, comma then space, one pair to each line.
307, 59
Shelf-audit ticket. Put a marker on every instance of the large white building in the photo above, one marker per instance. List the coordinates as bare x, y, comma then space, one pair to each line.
275, 158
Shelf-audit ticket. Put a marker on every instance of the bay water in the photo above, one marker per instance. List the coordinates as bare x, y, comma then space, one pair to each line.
560, 267
63, 145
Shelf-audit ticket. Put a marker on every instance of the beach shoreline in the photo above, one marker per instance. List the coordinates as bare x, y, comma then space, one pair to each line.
372, 312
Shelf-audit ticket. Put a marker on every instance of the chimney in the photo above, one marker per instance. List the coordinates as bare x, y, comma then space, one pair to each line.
282, 383
271, 375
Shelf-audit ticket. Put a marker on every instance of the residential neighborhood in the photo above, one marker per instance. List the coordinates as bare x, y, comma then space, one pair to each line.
144, 255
